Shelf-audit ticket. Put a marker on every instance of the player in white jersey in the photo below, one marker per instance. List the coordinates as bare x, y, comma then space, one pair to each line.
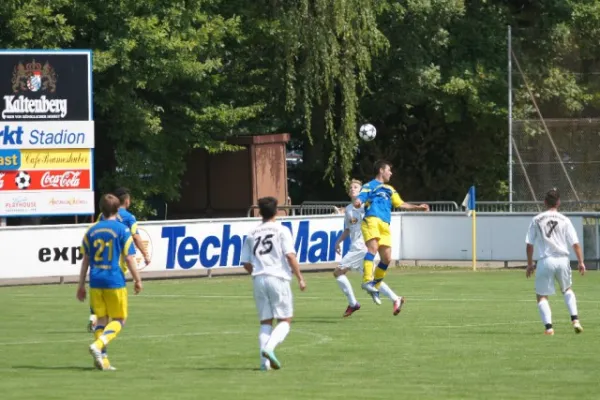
353, 260
553, 234
269, 255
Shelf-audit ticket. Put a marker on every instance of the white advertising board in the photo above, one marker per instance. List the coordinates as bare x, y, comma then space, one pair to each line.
448, 237
42, 134
173, 245
27, 203
45, 251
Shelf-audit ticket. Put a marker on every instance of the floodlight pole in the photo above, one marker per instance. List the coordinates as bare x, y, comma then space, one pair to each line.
510, 124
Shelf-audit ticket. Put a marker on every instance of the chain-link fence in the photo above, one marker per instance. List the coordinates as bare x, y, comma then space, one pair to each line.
554, 120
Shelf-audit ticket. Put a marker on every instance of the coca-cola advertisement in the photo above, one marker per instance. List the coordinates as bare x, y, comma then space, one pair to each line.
74, 179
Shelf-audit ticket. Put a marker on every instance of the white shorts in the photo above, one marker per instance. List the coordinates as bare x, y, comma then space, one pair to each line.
353, 259
273, 297
549, 269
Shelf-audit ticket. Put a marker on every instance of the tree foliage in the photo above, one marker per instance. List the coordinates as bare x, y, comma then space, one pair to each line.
431, 75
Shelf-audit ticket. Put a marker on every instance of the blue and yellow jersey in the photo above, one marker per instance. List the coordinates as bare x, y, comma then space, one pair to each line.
107, 243
126, 218
378, 199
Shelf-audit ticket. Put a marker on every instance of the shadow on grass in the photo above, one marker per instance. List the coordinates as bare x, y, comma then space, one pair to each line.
55, 367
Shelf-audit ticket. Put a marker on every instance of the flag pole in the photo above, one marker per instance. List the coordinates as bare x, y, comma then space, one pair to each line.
474, 238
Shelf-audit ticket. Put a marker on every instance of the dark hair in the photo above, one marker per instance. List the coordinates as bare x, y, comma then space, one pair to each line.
552, 198
379, 165
267, 207
109, 205
122, 194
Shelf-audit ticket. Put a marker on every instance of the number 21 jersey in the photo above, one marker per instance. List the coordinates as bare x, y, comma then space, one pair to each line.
552, 233
266, 247
106, 244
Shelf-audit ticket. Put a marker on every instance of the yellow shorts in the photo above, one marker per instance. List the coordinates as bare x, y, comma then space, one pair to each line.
109, 302
375, 228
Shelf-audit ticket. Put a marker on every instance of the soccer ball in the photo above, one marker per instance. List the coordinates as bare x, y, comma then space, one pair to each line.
23, 180
367, 132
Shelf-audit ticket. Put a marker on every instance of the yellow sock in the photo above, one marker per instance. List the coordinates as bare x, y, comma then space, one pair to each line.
368, 267
380, 274
98, 331
110, 332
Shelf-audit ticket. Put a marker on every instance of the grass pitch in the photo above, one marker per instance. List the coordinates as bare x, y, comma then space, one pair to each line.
461, 335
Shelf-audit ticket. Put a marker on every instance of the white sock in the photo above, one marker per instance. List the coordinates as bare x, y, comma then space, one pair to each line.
278, 335
346, 287
388, 292
545, 311
571, 302
264, 334
93, 317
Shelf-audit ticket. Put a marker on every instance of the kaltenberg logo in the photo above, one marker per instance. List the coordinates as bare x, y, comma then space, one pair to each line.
33, 77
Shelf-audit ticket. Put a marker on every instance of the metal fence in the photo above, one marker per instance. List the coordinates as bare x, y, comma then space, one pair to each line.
337, 207
535, 206
439, 206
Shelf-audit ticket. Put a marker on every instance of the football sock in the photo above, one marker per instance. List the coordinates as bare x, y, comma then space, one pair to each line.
571, 303
380, 274
388, 292
97, 333
264, 334
545, 312
368, 267
278, 335
346, 287
110, 332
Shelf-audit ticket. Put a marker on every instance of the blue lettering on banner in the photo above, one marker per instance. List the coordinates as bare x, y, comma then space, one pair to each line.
55, 138
8, 136
187, 252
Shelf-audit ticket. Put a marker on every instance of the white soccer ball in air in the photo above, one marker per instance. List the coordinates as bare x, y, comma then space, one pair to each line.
23, 180
367, 132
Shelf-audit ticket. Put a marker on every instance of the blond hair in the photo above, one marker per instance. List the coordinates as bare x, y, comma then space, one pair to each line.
352, 182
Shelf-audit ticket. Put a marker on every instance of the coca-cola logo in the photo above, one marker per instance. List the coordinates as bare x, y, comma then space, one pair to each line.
1, 181
67, 179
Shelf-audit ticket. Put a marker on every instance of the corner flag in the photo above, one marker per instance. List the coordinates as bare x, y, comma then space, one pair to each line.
469, 201
469, 204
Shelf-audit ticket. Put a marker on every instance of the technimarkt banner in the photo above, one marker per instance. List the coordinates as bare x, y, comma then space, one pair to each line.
173, 245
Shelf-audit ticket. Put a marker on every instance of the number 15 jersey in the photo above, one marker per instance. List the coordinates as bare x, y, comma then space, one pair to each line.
107, 243
552, 233
266, 247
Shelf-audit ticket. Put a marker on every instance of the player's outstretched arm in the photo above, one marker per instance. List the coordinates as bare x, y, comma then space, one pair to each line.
293, 262
408, 206
85, 264
579, 254
530, 266
137, 279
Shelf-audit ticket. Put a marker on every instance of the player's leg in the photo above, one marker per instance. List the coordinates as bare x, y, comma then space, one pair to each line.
398, 301
565, 281
339, 274
544, 287
370, 231
117, 305
98, 304
280, 295
92, 321
265, 316
385, 253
